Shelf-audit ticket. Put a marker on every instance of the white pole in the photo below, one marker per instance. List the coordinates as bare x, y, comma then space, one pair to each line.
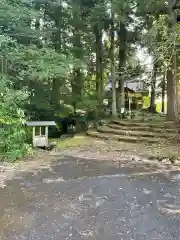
46, 134
40, 132
34, 132
129, 104
33, 136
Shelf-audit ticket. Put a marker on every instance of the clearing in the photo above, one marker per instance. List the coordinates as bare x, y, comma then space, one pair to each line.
90, 189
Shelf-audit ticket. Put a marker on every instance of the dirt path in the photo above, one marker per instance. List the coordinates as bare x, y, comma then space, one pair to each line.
96, 191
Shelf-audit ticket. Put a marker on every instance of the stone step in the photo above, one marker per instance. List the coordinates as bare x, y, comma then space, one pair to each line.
142, 128
130, 132
135, 123
130, 139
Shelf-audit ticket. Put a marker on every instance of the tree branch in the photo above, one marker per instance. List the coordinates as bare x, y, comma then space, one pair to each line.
165, 10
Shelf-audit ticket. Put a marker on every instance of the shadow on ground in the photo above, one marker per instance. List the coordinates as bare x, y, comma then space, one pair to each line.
78, 198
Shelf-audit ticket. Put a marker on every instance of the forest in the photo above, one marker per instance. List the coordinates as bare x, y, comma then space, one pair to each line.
58, 56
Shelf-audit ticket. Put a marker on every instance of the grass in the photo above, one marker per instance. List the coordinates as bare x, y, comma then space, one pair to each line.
76, 141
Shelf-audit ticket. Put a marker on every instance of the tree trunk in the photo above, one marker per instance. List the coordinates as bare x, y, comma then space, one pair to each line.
122, 59
163, 93
153, 90
99, 65
113, 70
78, 79
55, 95
76, 85
172, 85
55, 92
171, 95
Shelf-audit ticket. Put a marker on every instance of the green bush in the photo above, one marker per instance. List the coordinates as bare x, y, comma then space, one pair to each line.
13, 142
13, 134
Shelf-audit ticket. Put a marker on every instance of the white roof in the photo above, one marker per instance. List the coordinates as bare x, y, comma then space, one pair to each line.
40, 123
133, 85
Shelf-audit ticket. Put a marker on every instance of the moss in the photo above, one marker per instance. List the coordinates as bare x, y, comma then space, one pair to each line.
78, 140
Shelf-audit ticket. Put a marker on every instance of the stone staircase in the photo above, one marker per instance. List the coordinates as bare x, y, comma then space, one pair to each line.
133, 131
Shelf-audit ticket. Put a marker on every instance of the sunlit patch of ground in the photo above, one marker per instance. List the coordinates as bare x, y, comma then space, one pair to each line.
88, 189
119, 153
76, 141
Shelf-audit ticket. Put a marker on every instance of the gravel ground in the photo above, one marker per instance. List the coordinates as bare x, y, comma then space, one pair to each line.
92, 192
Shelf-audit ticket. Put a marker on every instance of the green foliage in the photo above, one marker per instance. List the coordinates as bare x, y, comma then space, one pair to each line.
55, 57
41, 64
26, 70
12, 119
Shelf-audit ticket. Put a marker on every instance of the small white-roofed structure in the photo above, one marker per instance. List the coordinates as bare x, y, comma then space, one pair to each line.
40, 139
